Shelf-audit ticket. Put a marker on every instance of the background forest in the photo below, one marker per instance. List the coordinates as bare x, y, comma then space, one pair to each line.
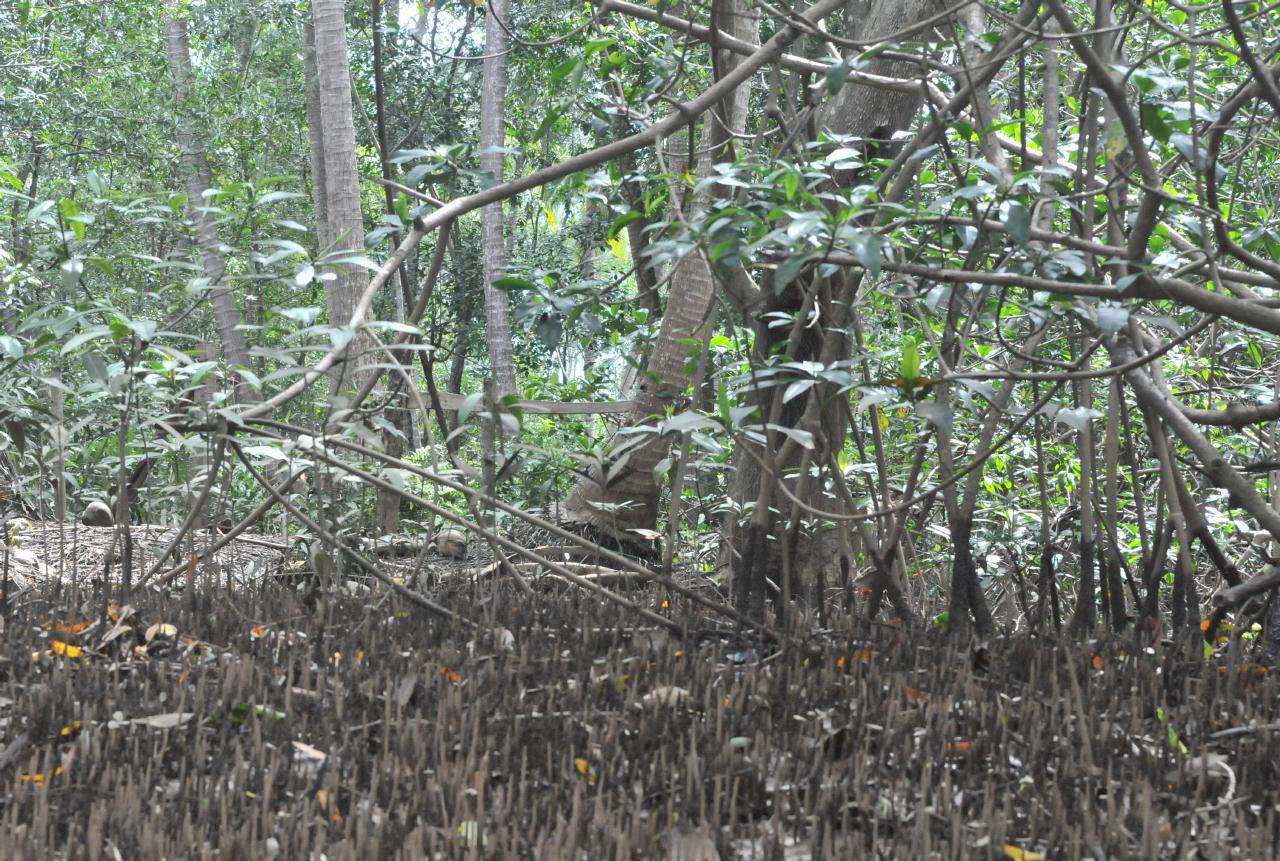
945, 318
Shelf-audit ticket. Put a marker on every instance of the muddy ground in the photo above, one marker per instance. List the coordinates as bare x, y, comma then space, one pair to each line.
250, 723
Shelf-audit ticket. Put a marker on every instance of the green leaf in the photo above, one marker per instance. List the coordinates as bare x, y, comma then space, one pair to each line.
801, 437
11, 347
1077, 418
340, 336
682, 422
837, 74
910, 361
935, 413
274, 196
469, 404
96, 366
550, 329
796, 389
85, 337
622, 221
562, 71
513, 282
1017, 220
787, 271
1112, 318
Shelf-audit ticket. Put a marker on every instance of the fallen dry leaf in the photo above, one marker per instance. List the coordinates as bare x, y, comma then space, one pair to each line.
65, 649
667, 695
169, 720
161, 629
309, 752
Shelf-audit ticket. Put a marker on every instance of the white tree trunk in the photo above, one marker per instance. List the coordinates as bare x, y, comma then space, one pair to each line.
493, 127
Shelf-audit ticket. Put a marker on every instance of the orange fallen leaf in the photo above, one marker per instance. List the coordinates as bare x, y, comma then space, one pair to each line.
915, 696
1097, 662
864, 655
959, 746
449, 674
257, 632
77, 628
330, 805
666, 604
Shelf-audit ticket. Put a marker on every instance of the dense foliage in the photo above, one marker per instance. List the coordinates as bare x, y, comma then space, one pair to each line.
971, 310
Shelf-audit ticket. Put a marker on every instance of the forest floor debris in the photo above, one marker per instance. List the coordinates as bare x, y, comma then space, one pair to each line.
236, 724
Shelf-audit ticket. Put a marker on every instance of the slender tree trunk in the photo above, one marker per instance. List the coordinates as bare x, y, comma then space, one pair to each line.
1086, 615
315, 134
195, 170
343, 225
493, 130
387, 516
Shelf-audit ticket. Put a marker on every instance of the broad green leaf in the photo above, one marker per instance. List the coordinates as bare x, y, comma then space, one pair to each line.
1017, 220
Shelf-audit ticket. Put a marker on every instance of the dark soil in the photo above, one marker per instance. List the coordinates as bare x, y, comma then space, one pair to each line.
360, 729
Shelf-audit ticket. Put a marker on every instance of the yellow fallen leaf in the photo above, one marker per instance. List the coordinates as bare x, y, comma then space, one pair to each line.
585, 769
65, 649
1015, 854
39, 777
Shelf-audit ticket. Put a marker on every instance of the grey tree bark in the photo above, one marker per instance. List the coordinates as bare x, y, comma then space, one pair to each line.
342, 227
315, 123
766, 545
493, 129
196, 176
623, 494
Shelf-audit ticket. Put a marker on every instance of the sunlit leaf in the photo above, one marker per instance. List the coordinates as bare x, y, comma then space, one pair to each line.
58, 647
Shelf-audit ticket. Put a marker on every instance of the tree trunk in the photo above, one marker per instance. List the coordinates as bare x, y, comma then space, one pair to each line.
756, 549
343, 222
315, 125
387, 515
196, 175
493, 129
623, 495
